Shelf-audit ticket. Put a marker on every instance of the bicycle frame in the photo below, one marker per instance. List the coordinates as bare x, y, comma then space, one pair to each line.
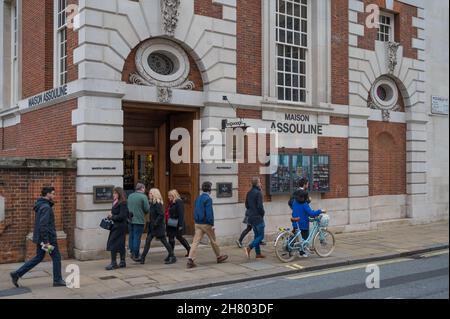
304, 243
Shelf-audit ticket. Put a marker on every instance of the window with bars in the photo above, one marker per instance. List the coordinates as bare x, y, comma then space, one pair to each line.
61, 41
14, 52
292, 50
386, 28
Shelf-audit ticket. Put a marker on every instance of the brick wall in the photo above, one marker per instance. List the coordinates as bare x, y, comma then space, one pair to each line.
387, 158
208, 8
404, 30
194, 74
343, 121
43, 133
339, 52
37, 47
249, 47
20, 185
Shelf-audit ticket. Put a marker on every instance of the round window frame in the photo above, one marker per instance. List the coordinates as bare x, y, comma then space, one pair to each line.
174, 52
392, 92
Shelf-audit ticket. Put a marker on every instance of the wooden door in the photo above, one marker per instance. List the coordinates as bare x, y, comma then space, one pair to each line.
184, 177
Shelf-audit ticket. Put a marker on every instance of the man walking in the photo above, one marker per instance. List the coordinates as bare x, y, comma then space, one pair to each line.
44, 236
255, 213
204, 224
139, 206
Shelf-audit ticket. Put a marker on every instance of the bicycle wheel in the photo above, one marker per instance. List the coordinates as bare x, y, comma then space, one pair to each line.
324, 243
284, 254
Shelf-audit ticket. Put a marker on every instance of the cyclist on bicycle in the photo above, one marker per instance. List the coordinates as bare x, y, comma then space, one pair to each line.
301, 212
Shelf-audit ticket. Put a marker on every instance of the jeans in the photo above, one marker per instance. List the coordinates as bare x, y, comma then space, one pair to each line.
40, 255
134, 241
245, 233
259, 237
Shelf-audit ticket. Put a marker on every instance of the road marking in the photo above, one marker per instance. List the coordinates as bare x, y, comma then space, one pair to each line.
437, 253
347, 268
295, 267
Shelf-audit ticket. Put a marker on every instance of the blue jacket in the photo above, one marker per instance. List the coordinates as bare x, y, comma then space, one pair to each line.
303, 211
203, 211
44, 225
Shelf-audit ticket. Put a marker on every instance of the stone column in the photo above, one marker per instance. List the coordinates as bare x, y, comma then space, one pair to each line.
358, 144
99, 152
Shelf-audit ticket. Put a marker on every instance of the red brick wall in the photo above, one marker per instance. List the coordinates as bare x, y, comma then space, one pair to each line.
37, 46
21, 187
337, 149
44, 133
194, 74
404, 30
387, 158
249, 47
343, 121
207, 8
249, 114
339, 52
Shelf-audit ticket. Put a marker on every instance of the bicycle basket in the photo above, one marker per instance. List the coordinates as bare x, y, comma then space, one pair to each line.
324, 220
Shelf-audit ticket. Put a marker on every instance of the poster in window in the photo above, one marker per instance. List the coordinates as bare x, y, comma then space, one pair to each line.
320, 174
280, 181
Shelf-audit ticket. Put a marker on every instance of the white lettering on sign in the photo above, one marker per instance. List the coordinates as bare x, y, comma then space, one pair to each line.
439, 105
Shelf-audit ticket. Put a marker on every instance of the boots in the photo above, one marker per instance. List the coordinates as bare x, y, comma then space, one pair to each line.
170, 260
112, 266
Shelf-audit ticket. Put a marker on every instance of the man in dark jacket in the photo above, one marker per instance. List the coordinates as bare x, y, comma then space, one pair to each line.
204, 224
255, 213
44, 234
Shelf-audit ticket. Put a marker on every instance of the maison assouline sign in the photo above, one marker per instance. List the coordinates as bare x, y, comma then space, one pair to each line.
297, 124
48, 96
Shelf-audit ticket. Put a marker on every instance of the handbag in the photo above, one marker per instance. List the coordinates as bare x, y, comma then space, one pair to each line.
106, 224
172, 222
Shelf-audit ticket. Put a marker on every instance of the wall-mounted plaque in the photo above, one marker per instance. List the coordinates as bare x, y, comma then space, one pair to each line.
103, 194
224, 190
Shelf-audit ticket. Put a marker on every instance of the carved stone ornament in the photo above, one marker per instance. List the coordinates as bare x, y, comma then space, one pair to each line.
164, 94
392, 56
170, 13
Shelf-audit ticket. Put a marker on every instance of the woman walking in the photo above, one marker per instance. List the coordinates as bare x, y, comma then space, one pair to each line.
157, 227
117, 235
175, 222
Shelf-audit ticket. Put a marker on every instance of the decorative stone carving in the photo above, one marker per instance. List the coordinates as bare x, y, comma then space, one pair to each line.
392, 56
170, 13
164, 94
135, 78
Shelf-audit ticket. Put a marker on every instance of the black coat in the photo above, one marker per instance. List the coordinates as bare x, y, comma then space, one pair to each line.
176, 211
296, 194
157, 227
255, 208
44, 224
118, 233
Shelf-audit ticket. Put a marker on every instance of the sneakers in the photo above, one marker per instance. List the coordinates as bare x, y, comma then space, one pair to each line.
247, 251
15, 279
222, 259
239, 244
190, 264
304, 255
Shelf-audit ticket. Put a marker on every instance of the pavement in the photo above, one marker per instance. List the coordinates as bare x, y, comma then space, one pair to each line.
157, 279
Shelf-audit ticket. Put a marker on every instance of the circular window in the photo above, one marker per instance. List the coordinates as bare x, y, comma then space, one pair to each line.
385, 93
162, 62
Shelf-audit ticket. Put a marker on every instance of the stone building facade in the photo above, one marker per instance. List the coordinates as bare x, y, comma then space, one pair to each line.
104, 84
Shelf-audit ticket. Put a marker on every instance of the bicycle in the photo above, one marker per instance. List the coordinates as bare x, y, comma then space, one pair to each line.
320, 239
